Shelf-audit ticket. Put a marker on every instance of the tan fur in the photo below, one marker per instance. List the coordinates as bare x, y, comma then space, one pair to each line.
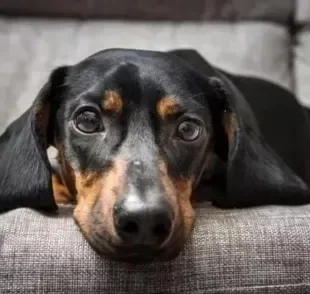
167, 106
101, 190
67, 172
60, 191
112, 101
179, 192
230, 126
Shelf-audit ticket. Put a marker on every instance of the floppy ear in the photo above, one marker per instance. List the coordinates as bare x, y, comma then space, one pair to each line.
255, 174
25, 172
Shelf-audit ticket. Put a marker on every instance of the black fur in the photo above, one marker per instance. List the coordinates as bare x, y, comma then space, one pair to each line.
269, 163
24, 168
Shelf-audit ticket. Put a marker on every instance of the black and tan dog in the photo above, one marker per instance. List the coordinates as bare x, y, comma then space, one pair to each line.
139, 133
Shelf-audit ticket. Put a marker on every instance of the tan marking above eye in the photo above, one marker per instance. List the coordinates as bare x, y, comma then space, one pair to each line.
167, 106
112, 101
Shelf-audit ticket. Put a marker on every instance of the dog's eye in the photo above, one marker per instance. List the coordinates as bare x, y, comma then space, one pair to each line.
188, 130
88, 121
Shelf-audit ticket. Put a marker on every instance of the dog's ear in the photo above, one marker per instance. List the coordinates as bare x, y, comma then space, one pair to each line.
255, 174
25, 172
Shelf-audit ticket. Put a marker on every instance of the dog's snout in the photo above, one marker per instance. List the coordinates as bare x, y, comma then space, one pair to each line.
142, 223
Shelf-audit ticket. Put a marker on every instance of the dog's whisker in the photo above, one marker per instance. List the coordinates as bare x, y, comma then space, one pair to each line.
196, 95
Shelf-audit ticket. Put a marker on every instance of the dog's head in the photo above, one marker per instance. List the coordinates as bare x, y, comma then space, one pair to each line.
136, 132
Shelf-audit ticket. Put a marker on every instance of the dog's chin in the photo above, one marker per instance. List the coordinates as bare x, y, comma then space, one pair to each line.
113, 248
137, 255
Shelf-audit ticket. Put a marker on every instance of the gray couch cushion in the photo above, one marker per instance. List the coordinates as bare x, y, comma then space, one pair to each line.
31, 49
302, 11
261, 250
302, 65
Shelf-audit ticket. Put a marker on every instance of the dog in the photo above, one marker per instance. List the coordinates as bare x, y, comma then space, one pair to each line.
141, 135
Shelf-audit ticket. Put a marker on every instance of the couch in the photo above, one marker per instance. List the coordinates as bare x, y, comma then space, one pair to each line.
253, 250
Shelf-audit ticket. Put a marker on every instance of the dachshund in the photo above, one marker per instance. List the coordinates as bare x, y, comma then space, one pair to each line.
142, 136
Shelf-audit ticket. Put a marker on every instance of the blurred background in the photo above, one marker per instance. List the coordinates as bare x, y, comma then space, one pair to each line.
265, 38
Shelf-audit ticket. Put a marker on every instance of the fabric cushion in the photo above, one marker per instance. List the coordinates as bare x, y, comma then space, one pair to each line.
302, 65
32, 48
261, 250
302, 14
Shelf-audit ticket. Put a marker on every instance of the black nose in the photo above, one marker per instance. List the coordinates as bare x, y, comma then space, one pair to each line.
139, 223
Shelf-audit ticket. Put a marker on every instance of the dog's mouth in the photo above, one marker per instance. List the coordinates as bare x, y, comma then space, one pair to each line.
139, 254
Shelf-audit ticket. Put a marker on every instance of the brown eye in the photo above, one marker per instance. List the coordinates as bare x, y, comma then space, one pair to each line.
188, 130
88, 122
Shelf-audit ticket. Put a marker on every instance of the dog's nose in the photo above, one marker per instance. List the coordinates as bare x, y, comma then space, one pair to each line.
139, 223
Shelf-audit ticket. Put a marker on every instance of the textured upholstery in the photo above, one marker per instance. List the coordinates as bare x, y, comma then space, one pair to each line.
262, 250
